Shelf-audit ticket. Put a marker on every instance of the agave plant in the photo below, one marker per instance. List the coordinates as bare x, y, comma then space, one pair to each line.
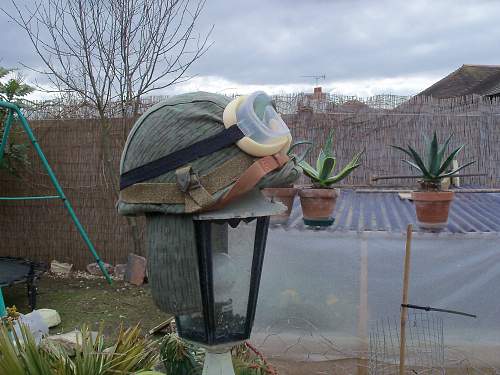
437, 166
321, 176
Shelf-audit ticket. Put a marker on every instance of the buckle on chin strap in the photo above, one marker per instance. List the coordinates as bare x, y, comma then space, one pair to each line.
196, 196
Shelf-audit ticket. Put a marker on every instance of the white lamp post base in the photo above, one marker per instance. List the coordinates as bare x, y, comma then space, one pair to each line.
218, 363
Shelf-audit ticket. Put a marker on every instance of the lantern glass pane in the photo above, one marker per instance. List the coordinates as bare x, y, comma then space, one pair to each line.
192, 326
232, 256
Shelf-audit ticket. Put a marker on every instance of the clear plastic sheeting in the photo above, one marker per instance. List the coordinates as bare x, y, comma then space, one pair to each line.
321, 291
36, 325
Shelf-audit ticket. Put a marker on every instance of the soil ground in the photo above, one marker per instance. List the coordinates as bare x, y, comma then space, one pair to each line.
91, 301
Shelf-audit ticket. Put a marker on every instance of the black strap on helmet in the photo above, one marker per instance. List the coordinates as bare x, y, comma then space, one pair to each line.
178, 158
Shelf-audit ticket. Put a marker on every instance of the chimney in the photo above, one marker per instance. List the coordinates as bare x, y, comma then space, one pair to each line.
318, 93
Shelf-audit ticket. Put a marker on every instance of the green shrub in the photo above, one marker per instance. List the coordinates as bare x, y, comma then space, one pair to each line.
14, 90
182, 358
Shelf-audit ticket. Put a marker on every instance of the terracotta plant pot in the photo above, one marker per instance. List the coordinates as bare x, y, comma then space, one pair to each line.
285, 196
318, 205
432, 208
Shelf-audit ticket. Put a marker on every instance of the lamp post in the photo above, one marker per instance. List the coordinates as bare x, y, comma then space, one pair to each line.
205, 269
195, 175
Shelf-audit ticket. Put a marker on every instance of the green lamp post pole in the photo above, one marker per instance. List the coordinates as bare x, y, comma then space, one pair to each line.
3, 312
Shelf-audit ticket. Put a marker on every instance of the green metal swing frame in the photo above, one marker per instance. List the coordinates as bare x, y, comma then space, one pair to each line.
13, 110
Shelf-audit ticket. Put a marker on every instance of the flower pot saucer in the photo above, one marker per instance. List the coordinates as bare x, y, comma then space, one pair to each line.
319, 222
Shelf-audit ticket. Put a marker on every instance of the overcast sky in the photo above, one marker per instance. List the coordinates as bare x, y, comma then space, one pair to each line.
363, 47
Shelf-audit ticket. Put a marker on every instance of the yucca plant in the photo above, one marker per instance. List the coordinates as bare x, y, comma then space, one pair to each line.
322, 176
438, 163
20, 355
130, 353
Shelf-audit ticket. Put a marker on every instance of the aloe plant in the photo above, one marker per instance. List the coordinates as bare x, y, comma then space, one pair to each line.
301, 156
322, 176
182, 358
437, 165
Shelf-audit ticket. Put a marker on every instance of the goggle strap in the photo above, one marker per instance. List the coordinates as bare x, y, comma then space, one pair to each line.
181, 157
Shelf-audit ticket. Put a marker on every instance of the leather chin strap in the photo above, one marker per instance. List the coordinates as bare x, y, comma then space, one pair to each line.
196, 193
250, 178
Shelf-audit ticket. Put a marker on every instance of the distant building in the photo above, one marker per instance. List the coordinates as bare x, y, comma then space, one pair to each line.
352, 106
318, 101
481, 80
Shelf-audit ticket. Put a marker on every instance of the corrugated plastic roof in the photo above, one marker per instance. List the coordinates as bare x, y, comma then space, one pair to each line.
363, 211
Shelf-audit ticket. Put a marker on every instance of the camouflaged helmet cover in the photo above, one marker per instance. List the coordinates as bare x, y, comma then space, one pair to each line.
175, 124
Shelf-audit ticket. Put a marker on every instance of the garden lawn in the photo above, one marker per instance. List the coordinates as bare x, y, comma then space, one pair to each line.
91, 301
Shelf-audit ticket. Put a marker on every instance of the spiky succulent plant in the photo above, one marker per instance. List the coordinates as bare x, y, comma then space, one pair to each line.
21, 355
322, 176
437, 165
182, 358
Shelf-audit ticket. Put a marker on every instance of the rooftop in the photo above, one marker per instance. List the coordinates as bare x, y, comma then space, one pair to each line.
467, 80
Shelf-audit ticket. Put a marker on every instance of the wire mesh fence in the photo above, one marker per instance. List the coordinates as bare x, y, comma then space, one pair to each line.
424, 345
299, 339
295, 345
286, 103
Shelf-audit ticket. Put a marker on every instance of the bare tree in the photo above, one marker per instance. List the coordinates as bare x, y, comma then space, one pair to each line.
109, 52
113, 50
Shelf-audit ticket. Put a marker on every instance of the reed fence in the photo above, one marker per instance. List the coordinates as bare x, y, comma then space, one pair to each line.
473, 121
43, 231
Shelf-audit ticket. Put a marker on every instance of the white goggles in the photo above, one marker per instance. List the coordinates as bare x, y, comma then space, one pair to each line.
265, 131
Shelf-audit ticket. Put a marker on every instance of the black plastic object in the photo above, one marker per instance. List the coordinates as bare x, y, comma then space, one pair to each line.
20, 270
428, 308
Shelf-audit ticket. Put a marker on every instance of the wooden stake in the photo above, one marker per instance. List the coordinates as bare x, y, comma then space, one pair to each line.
363, 307
404, 310
160, 326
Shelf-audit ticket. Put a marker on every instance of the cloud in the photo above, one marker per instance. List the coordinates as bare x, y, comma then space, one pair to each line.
278, 42
362, 47
356, 87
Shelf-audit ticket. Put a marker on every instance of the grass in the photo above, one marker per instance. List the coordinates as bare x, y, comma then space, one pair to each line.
91, 301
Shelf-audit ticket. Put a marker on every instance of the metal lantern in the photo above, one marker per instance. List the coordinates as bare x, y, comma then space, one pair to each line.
230, 246
230, 256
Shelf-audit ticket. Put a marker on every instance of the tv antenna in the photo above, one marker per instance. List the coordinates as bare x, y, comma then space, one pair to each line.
316, 77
